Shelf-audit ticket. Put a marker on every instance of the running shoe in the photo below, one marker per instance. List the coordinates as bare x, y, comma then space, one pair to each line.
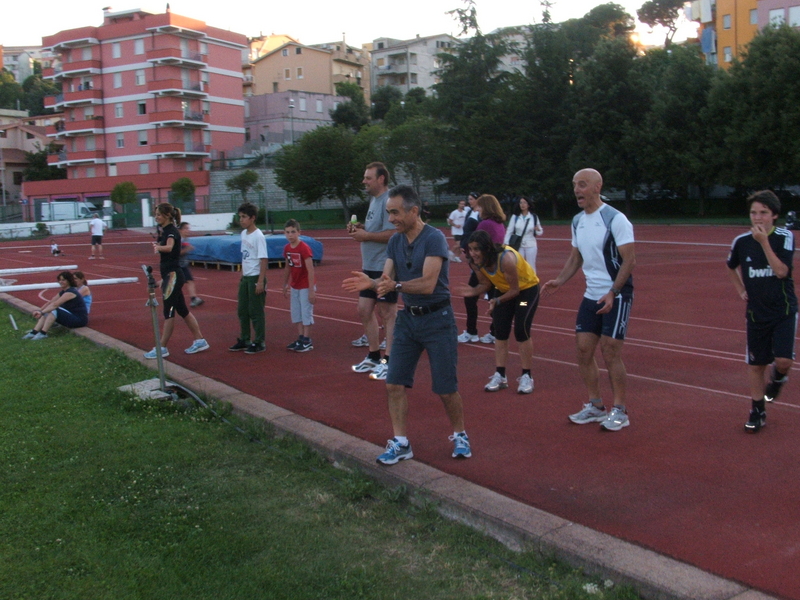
365, 366
774, 387
496, 383
589, 414
395, 453
488, 339
382, 345
304, 346
152, 353
254, 348
196, 301
616, 420
293, 346
461, 448
525, 384
199, 346
379, 373
467, 337
239, 345
361, 342
29, 335
757, 420
40, 336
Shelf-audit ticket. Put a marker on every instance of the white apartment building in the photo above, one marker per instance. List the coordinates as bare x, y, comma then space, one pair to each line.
408, 64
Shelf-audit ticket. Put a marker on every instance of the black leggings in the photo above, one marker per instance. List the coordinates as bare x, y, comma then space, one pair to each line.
471, 304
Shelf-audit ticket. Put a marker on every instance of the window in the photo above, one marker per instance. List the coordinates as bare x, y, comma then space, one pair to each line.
380, 45
794, 16
285, 52
144, 168
754, 16
287, 74
190, 165
413, 78
726, 21
204, 79
3, 133
776, 16
117, 80
274, 87
381, 62
142, 107
207, 137
319, 106
17, 177
118, 110
727, 54
90, 143
88, 112
138, 46
335, 105
116, 50
86, 54
298, 50
139, 76
299, 72
90, 172
303, 104
120, 140
203, 48
206, 107
143, 137
112, 170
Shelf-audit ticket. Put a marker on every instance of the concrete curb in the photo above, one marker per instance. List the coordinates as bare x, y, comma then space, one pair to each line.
516, 525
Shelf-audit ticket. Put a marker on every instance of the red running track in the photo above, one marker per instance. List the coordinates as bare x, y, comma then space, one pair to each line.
684, 480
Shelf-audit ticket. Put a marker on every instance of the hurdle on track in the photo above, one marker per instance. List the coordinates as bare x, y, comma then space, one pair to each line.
51, 285
36, 270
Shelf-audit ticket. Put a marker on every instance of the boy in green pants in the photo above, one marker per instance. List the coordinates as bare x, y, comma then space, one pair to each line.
253, 285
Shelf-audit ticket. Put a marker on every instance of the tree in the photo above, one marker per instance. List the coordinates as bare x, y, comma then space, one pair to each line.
11, 94
38, 169
382, 100
413, 147
242, 182
664, 13
35, 90
604, 22
325, 163
183, 189
354, 112
124, 193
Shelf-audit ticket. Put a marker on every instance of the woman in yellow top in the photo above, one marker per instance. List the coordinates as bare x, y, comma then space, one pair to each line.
515, 301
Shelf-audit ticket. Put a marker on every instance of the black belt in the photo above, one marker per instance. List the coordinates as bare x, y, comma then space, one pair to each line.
418, 311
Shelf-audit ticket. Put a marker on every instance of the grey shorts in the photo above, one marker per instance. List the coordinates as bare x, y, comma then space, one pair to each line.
302, 309
435, 333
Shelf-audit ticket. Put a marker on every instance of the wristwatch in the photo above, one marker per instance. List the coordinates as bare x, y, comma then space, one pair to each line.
398, 287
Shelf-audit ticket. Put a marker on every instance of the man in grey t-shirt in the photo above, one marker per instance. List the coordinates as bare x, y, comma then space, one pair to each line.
373, 235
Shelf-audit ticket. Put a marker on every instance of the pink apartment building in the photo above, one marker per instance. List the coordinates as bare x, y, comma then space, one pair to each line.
146, 98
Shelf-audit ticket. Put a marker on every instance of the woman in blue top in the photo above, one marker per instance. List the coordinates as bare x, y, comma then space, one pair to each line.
67, 309
83, 290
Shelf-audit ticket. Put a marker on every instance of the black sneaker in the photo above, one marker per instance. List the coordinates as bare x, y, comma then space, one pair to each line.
304, 346
758, 419
239, 345
255, 348
294, 345
774, 388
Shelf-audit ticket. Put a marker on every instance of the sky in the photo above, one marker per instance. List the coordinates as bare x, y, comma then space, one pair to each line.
329, 20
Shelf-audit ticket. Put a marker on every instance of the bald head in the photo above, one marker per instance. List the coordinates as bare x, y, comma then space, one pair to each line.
586, 184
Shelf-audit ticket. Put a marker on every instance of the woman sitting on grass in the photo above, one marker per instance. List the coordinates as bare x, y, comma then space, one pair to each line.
83, 290
67, 309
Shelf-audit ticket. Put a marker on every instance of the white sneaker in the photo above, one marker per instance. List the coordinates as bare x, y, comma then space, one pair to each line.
198, 346
616, 420
361, 342
152, 354
467, 337
382, 345
525, 384
379, 373
496, 383
365, 366
488, 339
589, 414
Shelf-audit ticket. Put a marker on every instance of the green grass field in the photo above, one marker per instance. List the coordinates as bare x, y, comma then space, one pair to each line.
106, 497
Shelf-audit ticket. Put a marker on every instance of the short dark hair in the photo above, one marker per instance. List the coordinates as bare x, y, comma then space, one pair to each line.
68, 277
487, 247
249, 209
292, 223
409, 196
380, 171
475, 195
767, 198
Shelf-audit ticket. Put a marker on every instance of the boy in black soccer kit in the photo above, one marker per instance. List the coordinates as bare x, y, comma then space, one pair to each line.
765, 283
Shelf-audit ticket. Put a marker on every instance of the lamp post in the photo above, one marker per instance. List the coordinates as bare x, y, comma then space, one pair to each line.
291, 117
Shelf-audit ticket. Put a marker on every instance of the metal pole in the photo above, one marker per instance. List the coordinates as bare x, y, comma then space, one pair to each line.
36, 270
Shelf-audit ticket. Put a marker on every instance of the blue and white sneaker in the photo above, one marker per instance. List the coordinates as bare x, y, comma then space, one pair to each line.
152, 353
365, 366
361, 342
395, 453
589, 414
616, 420
461, 448
198, 346
379, 373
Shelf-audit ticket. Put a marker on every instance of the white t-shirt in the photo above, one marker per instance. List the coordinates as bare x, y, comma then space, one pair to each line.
254, 248
97, 226
589, 238
457, 217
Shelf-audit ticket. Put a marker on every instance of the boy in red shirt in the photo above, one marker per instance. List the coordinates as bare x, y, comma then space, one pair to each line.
299, 285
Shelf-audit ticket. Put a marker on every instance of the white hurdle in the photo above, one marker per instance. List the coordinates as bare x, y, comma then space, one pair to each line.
47, 286
36, 270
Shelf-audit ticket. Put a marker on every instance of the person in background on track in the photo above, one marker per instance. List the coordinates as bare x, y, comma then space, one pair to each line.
299, 285
54, 249
456, 222
83, 290
471, 222
168, 247
252, 296
515, 301
526, 224
96, 226
760, 267
194, 300
603, 245
67, 309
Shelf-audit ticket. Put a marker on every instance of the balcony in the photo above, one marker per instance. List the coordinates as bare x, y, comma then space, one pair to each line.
178, 118
247, 80
176, 57
75, 69
73, 99
89, 126
177, 87
180, 150
68, 159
